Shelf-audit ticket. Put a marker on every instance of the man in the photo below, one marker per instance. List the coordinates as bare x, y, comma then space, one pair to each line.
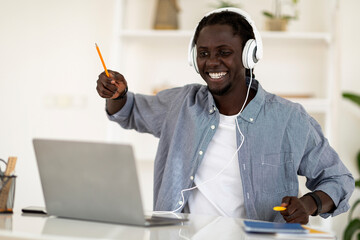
231, 148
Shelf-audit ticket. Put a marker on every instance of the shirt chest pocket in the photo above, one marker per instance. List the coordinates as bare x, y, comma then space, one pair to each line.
278, 173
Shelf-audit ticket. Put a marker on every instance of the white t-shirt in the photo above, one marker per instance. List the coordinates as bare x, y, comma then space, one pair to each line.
224, 194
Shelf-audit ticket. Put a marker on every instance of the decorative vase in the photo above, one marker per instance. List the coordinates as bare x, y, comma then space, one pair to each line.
166, 17
276, 24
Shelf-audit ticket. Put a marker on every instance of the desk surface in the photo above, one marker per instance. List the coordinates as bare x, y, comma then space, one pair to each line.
30, 226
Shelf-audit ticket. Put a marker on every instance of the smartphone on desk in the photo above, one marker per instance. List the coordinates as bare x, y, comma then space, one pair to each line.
34, 210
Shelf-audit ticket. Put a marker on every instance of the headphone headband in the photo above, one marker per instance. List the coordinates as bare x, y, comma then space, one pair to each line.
258, 42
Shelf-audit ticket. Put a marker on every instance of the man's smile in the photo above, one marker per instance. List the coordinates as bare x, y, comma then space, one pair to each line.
216, 75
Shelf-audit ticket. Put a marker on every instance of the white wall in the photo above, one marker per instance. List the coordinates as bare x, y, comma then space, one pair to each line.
49, 67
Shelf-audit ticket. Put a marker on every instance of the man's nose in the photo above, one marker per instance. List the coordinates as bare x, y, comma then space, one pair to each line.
213, 60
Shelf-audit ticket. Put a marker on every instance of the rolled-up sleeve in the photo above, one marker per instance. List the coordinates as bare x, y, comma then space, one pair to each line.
124, 113
147, 113
325, 171
144, 113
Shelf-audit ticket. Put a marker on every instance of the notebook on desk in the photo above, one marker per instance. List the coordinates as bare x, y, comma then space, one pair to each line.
92, 181
273, 227
285, 230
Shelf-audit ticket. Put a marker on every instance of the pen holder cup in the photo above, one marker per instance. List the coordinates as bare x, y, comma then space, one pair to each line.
7, 193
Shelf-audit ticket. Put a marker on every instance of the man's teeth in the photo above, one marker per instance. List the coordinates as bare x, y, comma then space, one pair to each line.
217, 75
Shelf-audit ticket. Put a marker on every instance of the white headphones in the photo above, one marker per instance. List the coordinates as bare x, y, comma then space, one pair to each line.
252, 52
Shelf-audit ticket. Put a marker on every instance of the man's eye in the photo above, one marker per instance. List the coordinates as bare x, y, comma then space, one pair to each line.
225, 53
203, 54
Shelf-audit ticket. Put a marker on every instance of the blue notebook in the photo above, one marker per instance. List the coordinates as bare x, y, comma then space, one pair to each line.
271, 227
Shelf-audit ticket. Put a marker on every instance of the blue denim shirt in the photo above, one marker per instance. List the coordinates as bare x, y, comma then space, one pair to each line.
281, 142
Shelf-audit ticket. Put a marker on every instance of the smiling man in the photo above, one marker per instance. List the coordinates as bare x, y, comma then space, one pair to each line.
231, 148
219, 64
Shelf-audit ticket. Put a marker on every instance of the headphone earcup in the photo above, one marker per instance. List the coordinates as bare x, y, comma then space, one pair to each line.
193, 56
249, 54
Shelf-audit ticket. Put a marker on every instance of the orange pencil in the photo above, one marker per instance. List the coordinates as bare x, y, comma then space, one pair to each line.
102, 60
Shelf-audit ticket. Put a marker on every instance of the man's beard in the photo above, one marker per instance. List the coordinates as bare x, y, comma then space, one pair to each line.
220, 92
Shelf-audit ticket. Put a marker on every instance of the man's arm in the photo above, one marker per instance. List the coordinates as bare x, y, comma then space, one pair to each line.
325, 174
113, 106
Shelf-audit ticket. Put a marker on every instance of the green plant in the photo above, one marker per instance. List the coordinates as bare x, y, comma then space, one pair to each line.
277, 11
354, 223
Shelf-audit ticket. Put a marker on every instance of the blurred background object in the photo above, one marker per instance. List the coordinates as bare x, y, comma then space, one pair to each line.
166, 16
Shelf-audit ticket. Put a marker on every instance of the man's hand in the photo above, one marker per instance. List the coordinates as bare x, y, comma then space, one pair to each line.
111, 87
297, 210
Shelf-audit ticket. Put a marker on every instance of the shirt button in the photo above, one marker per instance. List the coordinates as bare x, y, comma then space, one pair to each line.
212, 127
180, 202
191, 178
211, 111
201, 152
251, 119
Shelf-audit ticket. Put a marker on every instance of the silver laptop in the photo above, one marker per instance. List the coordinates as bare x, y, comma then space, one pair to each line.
92, 181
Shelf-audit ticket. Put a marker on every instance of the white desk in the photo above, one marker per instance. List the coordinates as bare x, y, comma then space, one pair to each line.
30, 226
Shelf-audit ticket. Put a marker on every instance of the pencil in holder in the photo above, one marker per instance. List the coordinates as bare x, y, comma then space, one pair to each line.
7, 193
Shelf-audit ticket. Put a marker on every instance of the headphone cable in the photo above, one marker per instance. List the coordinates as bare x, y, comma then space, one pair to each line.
223, 169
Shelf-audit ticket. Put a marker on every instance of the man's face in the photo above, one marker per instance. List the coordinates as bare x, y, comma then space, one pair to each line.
219, 59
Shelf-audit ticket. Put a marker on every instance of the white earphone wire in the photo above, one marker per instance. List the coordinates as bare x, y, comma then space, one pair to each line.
223, 169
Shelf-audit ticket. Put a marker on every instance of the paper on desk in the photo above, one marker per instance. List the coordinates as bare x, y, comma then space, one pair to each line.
312, 233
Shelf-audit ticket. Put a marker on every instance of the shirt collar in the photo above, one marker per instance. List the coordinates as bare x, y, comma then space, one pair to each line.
252, 110
211, 102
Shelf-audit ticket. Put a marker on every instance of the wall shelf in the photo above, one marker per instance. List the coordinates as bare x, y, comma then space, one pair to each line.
187, 34
314, 105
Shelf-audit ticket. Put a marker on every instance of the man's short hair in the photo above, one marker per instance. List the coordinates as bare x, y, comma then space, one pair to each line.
240, 26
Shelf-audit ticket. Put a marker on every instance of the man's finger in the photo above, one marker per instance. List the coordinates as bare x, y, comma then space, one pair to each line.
299, 219
110, 86
105, 93
285, 201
